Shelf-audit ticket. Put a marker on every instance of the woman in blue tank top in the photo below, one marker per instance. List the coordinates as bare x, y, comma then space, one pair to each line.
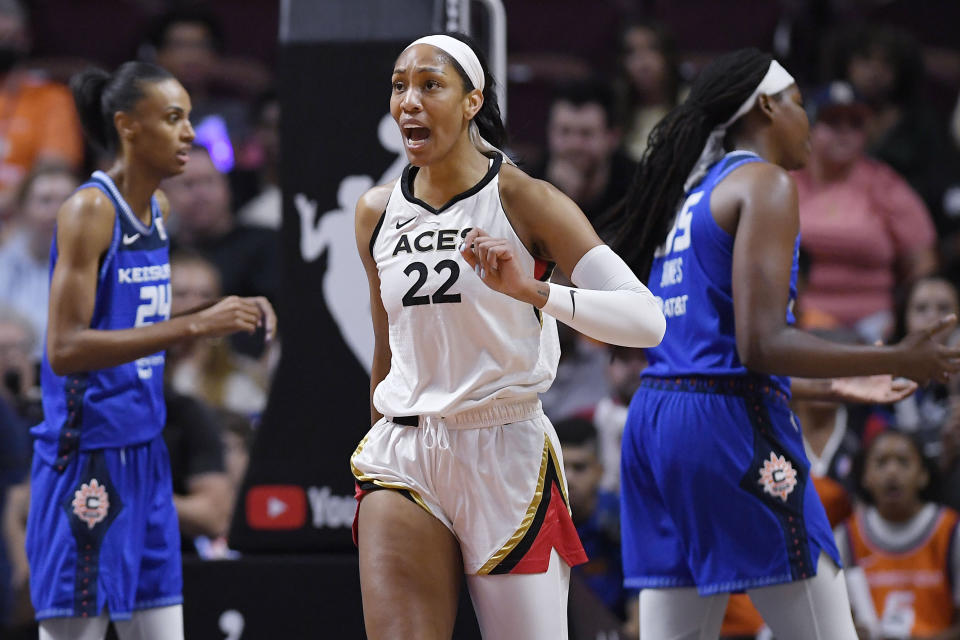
716, 490
102, 535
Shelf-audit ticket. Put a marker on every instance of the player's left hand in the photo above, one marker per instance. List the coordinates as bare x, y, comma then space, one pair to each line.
268, 317
493, 260
882, 389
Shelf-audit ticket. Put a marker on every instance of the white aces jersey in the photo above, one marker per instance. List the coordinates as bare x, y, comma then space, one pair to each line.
456, 344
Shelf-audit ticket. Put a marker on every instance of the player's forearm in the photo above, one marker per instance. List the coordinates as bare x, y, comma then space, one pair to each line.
791, 352
92, 349
609, 304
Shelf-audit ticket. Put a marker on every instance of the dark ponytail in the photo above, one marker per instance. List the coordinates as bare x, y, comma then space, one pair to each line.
488, 119
673, 148
99, 95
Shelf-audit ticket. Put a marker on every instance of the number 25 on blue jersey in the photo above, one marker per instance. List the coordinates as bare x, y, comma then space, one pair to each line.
679, 237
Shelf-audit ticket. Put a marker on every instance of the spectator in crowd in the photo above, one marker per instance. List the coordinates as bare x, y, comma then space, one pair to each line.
905, 545
19, 382
610, 414
596, 514
865, 229
201, 488
950, 453
651, 85
14, 464
236, 435
886, 66
246, 257
189, 43
209, 369
262, 155
19, 408
583, 156
38, 122
581, 381
925, 413
25, 256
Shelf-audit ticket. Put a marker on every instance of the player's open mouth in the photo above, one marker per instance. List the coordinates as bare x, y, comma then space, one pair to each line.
415, 137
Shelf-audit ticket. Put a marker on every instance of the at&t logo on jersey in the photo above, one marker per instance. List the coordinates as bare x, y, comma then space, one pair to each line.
91, 503
778, 476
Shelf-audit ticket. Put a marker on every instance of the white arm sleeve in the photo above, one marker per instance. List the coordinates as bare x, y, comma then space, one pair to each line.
609, 304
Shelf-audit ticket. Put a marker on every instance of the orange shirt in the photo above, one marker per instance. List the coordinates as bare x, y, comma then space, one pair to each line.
910, 587
37, 120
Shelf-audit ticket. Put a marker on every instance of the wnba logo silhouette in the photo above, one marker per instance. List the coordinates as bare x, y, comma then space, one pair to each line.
345, 282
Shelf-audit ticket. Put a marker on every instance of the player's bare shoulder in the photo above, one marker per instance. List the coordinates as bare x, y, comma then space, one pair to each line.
370, 208
520, 191
374, 202
525, 197
87, 215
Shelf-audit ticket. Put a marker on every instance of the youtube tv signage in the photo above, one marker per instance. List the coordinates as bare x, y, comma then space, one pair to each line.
338, 140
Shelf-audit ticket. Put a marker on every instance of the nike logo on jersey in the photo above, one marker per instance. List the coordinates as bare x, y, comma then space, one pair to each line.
406, 222
573, 301
127, 240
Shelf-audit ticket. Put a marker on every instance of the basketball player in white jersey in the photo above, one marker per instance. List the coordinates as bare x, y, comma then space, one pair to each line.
461, 471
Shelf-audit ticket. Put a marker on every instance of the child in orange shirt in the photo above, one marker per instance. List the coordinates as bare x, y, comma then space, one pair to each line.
901, 549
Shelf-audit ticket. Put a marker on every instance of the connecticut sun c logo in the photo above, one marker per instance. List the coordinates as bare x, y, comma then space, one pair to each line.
90, 503
778, 476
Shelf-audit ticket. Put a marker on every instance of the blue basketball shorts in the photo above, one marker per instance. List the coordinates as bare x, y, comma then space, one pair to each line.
716, 489
103, 534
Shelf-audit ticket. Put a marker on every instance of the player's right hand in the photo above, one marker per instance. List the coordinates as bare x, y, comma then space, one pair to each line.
925, 357
230, 315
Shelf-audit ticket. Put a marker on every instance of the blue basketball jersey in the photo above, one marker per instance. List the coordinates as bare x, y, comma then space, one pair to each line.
692, 276
123, 405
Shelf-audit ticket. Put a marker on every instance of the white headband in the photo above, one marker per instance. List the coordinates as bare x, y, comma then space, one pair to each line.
461, 52
470, 63
776, 80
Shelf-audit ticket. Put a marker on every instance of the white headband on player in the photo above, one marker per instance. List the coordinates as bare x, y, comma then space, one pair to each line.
468, 61
776, 80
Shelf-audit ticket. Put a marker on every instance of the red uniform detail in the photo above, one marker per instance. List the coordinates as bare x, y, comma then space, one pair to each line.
556, 532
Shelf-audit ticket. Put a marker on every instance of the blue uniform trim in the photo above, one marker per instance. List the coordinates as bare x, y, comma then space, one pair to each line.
790, 512
75, 387
732, 385
89, 539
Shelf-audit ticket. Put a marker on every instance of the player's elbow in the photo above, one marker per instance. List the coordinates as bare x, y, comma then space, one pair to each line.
62, 357
754, 355
651, 325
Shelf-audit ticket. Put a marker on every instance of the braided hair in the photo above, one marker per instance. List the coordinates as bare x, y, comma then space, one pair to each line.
643, 222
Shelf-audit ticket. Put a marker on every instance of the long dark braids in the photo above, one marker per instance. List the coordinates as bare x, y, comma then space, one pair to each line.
674, 146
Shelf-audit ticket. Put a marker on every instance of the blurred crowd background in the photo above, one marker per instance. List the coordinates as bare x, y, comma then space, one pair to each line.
879, 208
